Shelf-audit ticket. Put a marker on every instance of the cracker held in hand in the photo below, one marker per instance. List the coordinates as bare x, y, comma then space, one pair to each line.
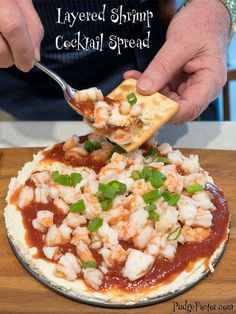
129, 118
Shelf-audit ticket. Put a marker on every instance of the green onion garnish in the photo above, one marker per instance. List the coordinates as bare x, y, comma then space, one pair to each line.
89, 264
95, 224
150, 207
166, 195
146, 173
118, 186
153, 216
132, 99
154, 152
77, 207
117, 149
106, 204
90, 146
174, 235
135, 175
156, 181
173, 199
108, 191
151, 197
194, 188
163, 159
67, 180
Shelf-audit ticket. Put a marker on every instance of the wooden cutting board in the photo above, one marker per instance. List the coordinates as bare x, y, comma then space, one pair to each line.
20, 293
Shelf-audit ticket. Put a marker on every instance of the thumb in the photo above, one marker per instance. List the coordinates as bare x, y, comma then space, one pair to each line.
169, 60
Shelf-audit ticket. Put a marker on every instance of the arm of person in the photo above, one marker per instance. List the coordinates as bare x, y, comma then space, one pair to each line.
191, 67
21, 33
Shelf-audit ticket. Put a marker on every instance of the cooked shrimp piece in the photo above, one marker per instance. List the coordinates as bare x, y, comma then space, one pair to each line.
91, 185
42, 195
141, 239
90, 94
143, 263
137, 221
53, 236
76, 153
124, 107
96, 242
187, 209
80, 234
191, 164
107, 174
65, 232
175, 158
45, 218
118, 161
134, 202
41, 178
72, 142
140, 187
26, 196
155, 244
61, 205
107, 234
165, 149
118, 119
92, 206
203, 218
195, 178
53, 192
101, 114
84, 253
74, 220
68, 194
68, 267
198, 234
173, 181
122, 137
136, 110
115, 215
169, 251
113, 255
51, 252
203, 200
37, 225
93, 277
168, 218
121, 228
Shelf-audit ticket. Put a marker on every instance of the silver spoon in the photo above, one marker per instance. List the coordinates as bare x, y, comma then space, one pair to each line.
68, 91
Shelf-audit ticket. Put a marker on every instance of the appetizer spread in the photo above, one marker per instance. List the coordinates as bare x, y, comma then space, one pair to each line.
116, 227
125, 116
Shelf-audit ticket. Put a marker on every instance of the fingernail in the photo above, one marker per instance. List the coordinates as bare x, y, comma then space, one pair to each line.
145, 84
37, 54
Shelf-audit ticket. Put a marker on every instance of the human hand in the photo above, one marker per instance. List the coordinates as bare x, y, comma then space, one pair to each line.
191, 66
21, 33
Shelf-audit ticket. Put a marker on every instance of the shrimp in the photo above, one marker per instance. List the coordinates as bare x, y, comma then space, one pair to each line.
118, 161
137, 221
164, 149
52, 252
61, 205
195, 178
74, 220
68, 267
168, 218
91, 185
80, 234
141, 239
65, 232
140, 187
198, 234
92, 206
68, 194
143, 263
187, 209
175, 158
42, 178
96, 243
107, 174
134, 202
45, 218
90, 94
76, 153
122, 137
113, 255
136, 110
101, 114
115, 215
107, 234
53, 236
160, 246
118, 119
124, 107
191, 164
93, 277
121, 229
203, 200
84, 253
42, 195
72, 142
203, 218
26, 196
174, 181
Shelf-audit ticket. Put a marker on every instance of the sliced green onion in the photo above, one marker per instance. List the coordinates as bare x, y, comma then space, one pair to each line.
132, 99
154, 216
108, 191
75, 178
173, 199
106, 204
163, 159
96, 145
150, 207
66, 180
77, 207
155, 181
174, 235
154, 152
95, 224
146, 173
118, 186
194, 188
117, 149
90, 146
135, 175
89, 264
166, 195
151, 197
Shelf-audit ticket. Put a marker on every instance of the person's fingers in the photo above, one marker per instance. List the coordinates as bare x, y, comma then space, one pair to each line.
34, 24
14, 29
132, 74
6, 59
170, 59
202, 89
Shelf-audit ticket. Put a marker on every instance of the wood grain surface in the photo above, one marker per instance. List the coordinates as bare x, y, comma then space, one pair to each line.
20, 293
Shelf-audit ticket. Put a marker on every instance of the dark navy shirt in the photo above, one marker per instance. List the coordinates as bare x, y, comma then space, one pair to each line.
35, 96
